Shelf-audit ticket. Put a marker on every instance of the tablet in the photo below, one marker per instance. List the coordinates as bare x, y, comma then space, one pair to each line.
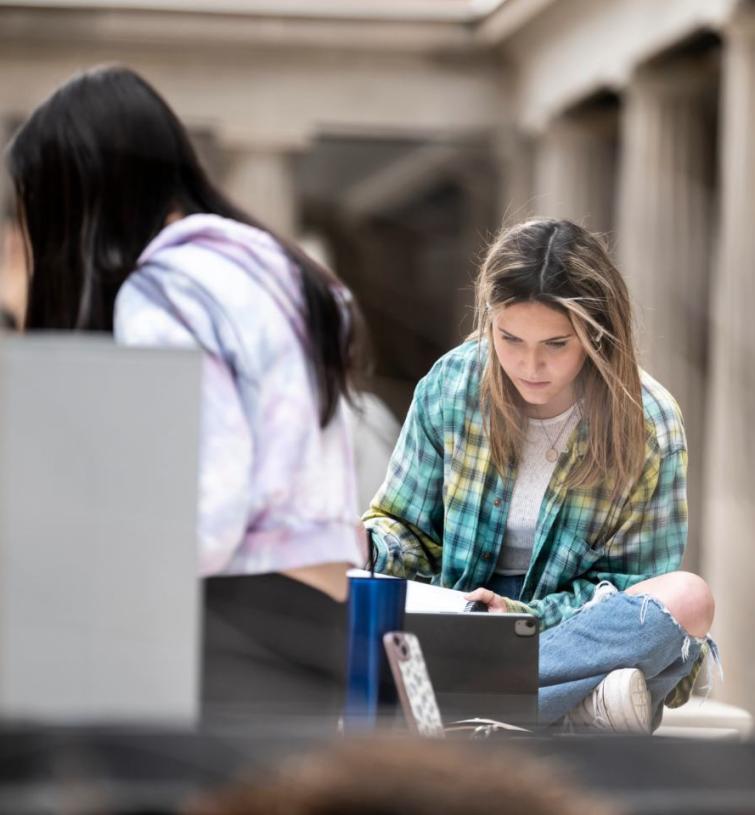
481, 665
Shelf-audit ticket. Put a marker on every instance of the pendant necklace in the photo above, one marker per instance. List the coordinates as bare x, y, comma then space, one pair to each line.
551, 454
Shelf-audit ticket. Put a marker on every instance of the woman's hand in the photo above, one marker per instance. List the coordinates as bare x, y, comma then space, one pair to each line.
493, 601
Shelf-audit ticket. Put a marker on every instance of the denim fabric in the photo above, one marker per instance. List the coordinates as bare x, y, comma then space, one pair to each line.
618, 631
506, 585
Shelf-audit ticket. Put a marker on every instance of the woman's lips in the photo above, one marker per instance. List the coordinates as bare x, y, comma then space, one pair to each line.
529, 384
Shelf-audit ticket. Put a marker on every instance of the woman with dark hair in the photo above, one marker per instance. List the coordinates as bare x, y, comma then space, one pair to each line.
125, 234
542, 471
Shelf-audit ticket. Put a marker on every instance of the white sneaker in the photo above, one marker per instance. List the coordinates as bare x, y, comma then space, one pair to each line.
621, 702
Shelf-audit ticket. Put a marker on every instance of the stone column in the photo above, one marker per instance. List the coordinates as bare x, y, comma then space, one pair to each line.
575, 170
514, 155
261, 182
479, 184
729, 556
665, 235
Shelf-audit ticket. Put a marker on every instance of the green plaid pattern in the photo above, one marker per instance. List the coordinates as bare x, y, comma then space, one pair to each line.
441, 511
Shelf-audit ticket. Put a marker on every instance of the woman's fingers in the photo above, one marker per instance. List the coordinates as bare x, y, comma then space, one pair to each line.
481, 596
493, 601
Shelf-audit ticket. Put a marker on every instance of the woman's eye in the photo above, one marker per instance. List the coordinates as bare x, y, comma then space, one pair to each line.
557, 344
510, 339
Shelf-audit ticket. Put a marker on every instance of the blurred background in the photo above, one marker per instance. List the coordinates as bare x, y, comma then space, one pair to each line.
393, 137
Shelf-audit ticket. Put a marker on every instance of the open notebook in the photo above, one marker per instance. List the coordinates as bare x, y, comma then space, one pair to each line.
422, 597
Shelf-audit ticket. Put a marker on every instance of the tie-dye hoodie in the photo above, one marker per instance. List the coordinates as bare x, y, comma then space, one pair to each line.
276, 491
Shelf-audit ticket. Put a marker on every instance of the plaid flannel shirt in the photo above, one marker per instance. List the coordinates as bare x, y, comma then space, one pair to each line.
441, 511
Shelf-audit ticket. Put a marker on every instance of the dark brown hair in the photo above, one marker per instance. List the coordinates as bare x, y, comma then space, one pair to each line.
97, 169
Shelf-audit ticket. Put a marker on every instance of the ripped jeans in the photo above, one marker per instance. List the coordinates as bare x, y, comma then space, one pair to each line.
616, 631
620, 631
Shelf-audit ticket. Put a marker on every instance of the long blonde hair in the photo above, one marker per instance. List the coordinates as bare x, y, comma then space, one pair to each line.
565, 267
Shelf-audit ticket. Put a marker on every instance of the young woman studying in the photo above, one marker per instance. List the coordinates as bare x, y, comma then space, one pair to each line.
125, 234
542, 471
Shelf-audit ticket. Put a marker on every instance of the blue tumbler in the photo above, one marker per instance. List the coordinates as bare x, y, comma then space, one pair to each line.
376, 606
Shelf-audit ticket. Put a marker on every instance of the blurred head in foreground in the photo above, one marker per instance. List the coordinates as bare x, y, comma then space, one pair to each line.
411, 777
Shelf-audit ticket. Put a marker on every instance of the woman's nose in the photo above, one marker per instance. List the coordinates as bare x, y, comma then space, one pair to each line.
532, 361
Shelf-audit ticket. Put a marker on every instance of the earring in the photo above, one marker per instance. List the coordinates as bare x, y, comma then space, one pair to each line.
597, 340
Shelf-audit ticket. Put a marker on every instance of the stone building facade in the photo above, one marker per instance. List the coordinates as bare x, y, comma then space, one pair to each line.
398, 135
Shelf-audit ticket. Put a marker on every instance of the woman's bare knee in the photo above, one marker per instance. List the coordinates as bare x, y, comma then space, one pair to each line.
686, 595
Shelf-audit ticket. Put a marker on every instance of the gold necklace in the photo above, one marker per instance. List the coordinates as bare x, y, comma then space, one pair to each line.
551, 454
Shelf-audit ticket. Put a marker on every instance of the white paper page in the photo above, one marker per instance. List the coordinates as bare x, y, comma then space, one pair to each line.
423, 596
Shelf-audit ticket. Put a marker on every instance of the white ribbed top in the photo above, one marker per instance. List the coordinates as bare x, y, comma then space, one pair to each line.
533, 475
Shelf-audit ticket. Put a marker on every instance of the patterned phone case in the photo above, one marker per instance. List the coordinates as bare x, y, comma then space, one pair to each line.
413, 683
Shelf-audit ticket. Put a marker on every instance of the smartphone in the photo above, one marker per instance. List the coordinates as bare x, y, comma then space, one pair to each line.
413, 684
